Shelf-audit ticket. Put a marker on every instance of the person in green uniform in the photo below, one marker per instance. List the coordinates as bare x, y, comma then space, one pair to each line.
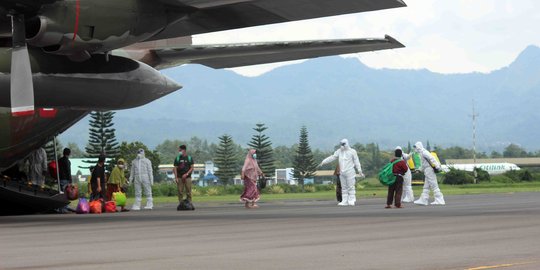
183, 167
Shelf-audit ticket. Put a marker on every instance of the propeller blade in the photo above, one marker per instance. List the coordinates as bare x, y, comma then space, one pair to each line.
22, 87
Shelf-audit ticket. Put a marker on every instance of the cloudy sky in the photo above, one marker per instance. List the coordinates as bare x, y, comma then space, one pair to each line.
445, 36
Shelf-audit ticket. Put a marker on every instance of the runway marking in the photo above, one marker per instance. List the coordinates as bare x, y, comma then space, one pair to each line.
498, 266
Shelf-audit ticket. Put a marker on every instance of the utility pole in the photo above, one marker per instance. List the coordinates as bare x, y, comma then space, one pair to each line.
474, 116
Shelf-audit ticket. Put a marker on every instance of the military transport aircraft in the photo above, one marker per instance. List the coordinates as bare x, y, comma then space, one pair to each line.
61, 59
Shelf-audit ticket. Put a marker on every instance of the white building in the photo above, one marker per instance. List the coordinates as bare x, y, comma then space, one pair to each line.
284, 176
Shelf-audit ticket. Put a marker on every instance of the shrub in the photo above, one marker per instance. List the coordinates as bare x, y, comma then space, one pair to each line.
418, 175
234, 189
212, 191
502, 179
328, 187
518, 176
514, 175
309, 189
526, 176
275, 189
289, 188
360, 186
195, 192
457, 177
167, 189
482, 176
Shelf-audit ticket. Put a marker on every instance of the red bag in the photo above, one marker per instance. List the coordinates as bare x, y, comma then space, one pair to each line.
72, 192
52, 169
95, 207
110, 207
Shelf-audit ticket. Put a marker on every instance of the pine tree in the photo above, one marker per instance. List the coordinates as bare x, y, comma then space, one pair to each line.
428, 146
408, 147
304, 165
102, 139
263, 145
226, 159
49, 149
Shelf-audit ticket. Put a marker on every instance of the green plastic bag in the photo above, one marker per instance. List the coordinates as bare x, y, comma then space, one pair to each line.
386, 176
417, 161
119, 198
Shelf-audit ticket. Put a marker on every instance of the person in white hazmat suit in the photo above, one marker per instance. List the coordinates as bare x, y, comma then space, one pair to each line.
430, 182
38, 167
142, 177
408, 195
348, 166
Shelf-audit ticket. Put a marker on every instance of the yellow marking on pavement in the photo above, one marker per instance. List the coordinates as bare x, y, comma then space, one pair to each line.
497, 266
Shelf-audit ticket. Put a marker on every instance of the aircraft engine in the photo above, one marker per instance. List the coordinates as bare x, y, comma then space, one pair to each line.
80, 28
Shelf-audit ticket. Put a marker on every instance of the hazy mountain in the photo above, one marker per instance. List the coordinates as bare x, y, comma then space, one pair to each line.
335, 98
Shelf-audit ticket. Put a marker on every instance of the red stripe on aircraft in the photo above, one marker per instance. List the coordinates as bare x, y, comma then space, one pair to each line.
47, 113
22, 113
77, 14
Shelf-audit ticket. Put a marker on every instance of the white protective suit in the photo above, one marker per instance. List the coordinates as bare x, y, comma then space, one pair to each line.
348, 165
430, 181
141, 175
37, 166
408, 194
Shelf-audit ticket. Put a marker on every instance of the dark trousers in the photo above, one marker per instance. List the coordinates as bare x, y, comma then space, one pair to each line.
394, 192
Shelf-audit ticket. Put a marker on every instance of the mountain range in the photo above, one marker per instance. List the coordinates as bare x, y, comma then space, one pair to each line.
336, 98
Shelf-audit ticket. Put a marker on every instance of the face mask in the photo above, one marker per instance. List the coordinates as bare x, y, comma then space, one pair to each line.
121, 166
139, 155
254, 156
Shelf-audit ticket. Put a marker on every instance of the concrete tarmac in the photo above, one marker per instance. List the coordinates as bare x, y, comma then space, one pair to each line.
470, 232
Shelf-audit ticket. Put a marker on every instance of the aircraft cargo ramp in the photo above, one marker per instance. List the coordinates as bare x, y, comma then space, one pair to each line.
17, 199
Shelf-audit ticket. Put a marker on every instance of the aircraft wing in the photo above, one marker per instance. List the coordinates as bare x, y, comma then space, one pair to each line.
236, 55
203, 16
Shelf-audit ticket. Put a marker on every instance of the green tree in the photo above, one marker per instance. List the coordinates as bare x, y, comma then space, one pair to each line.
304, 165
76, 152
263, 145
409, 149
197, 148
128, 151
226, 159
455, 152
102, 139
513, 151
428, 146
284, 156
495, 154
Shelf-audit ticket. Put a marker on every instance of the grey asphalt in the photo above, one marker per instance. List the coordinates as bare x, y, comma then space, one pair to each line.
470, 232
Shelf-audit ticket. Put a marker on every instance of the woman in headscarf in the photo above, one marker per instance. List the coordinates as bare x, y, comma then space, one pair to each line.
117, 180
250, 174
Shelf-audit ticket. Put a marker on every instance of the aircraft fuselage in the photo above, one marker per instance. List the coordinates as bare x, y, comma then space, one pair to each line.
74, 89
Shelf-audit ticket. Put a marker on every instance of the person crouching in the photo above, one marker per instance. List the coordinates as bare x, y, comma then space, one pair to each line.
396, 189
